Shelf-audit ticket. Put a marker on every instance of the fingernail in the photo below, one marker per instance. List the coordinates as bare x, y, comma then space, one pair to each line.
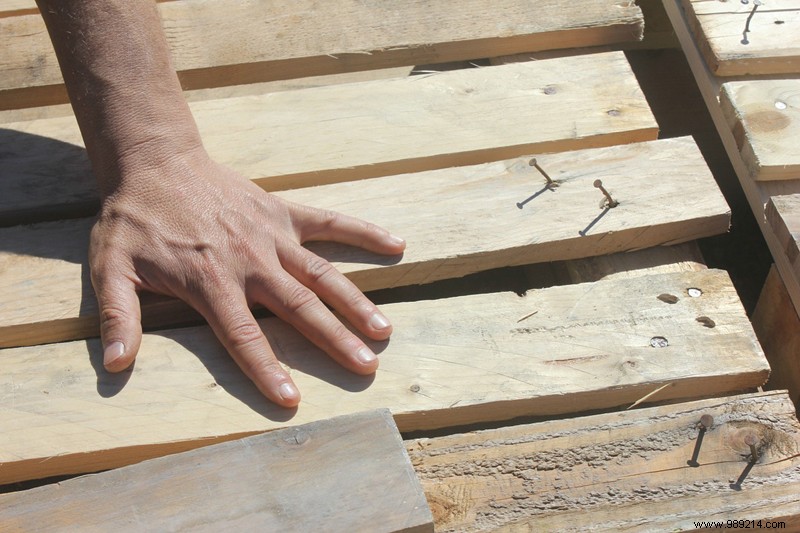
396, 240
378, 321
112, 352
288, 391
366, 356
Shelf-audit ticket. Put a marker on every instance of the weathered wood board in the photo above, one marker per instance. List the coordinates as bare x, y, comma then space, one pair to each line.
349, 473
352, 131
449, 362
623, 471
777, 326
456, 221
229, 42
764, 116
770, 46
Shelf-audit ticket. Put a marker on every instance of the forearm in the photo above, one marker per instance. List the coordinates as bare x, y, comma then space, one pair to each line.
125, 93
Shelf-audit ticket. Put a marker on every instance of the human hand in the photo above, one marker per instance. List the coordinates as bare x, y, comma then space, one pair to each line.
195, 230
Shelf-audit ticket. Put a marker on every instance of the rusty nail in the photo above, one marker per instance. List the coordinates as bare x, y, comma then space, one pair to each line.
611, 202
706, 421
751, 441
550, 182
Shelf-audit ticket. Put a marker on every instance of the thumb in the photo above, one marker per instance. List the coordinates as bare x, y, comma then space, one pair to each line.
120, 320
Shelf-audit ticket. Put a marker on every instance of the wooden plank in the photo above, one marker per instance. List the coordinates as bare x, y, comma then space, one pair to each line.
449, 362
229, 42
354, 131
619, 472
771, 46
455, 221
657, 260
286, 480
764, 116
758, 193
777, 326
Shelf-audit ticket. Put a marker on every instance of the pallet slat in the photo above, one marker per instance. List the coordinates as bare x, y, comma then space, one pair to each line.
360, 130
229, 42
456, 221
619, 472
450, 362
764, 116
286, 480
771, 46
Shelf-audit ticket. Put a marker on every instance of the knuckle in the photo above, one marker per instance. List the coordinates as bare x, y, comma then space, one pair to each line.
244, 334
299, 298
263, 366
318, 269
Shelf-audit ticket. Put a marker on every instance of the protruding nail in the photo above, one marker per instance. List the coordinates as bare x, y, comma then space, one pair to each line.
751, 440
550, 182
706, 421
366, 356
378, 321
610, 202
112, 352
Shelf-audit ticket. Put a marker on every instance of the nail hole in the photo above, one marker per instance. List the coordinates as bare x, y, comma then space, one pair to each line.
707, 322
659, 342
668, 298
414, 388
614, 112
549, 90
780, 105
779, 22
694, 292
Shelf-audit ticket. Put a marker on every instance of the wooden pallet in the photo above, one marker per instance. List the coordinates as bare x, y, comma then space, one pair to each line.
593, 331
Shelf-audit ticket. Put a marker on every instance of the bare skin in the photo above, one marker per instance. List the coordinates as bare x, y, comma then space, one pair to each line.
174, 222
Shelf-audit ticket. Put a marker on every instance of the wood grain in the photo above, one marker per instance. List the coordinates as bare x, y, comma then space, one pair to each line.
619, 472
353, 131
230, 42
449, 362
349, 473
771, 46
456, 221
764, 116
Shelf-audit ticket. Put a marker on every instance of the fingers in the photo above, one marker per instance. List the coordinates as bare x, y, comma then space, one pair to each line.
334, 288
322, 225
226, 311
300, 307
120, 319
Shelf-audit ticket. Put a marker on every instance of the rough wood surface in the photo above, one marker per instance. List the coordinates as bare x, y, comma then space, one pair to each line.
360, 130
619, 472
777, 326
349, 473
758, 193
656, 260
456, 221
765, 118
450, 362
771, 46
230, 42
